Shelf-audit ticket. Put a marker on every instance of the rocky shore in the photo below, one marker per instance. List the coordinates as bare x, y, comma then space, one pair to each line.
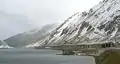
108, 57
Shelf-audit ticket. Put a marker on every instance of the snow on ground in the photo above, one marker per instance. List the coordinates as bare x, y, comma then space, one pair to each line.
100, 24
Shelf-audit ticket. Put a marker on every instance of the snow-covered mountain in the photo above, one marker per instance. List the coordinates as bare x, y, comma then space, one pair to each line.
100, 24
4, 45
29, 37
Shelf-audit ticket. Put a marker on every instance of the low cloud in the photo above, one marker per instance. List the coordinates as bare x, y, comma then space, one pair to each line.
17, 16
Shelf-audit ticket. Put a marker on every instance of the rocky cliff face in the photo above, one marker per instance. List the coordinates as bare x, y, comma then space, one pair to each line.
100, 24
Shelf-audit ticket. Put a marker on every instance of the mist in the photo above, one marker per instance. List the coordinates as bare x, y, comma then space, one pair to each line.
17, 16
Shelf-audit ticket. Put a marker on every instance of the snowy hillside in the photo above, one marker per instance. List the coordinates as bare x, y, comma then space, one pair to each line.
4, 45
100, 24
29, 37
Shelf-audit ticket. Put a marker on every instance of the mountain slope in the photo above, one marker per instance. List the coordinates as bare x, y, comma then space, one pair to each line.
100, 24
29, 37
4, 45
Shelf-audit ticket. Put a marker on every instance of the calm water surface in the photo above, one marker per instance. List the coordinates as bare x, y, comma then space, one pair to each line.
32, 56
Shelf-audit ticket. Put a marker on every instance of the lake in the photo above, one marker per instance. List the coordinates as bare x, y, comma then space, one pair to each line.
40, 56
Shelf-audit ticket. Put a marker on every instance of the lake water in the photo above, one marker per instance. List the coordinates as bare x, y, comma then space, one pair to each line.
32, 56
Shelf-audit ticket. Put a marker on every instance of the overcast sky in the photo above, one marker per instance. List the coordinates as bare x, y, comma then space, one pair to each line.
17, 16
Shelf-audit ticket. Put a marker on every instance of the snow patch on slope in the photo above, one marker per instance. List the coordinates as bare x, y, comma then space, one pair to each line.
100, 24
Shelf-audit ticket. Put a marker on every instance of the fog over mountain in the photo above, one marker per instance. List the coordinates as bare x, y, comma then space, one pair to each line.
29, 37
100, 25
11, 24
17, 16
